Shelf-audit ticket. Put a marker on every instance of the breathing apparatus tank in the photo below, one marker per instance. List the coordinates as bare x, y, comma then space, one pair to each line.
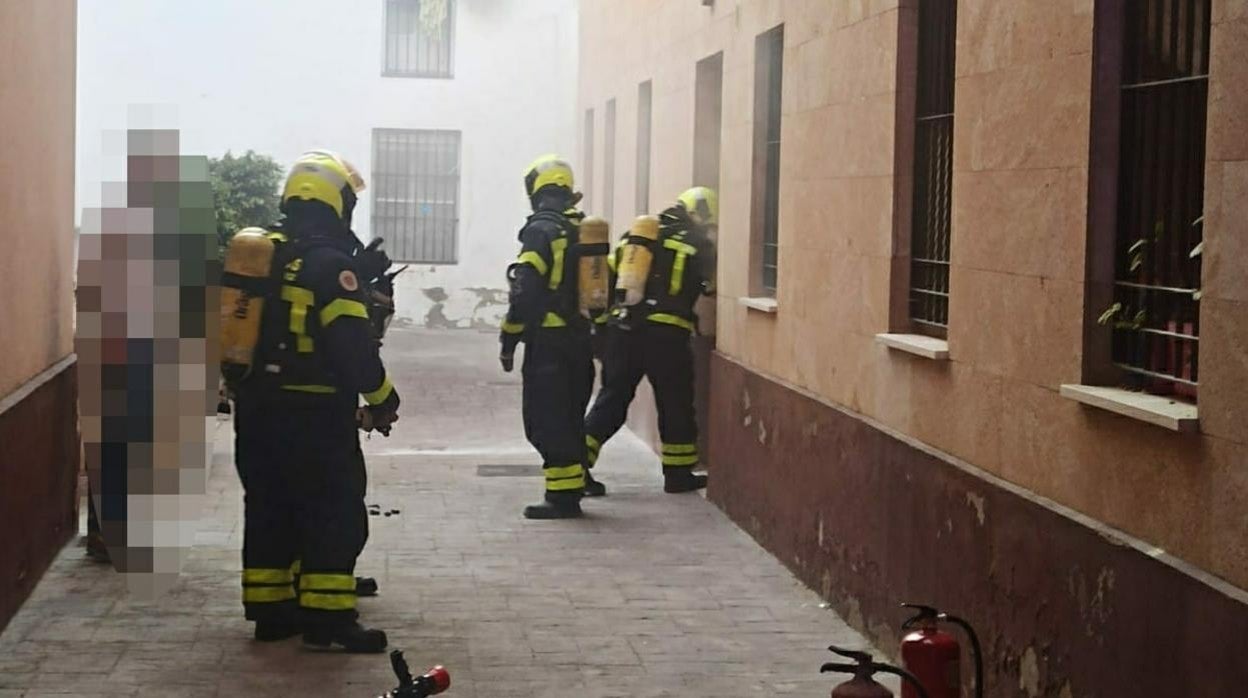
635, 259
243, 287
593, 274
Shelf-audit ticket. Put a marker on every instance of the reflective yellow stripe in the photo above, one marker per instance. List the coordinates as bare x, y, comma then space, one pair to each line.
532, 258
267, 576
278, 237
678, 275
573, 483
326, 582
327, 602
557, 248
612, 261
594, 444
315, 389
512, 327
680, 449
680, 460
340, 307
553, 320
601, 319
381, 394
682, 247
268, 594
667, 319
300, 300
561, 472
296, 566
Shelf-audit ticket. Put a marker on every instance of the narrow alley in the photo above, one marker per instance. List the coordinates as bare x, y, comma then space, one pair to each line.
650, 595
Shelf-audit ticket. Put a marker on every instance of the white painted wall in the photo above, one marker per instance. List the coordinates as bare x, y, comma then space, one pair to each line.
284, 76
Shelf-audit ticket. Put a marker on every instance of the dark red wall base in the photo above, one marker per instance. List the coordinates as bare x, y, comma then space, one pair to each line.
39, 462
870, 520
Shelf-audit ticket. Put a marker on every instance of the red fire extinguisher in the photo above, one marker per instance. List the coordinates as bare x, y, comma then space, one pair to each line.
863, 685
934, 656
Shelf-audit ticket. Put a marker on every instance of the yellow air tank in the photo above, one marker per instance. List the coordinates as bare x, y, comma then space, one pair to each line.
247, 264
593, 275
635, 258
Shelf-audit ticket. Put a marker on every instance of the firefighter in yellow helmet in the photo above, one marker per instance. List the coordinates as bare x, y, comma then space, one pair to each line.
297, 414
558, 369
648, 332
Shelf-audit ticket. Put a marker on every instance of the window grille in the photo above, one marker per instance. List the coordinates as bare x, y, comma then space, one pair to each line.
1161, 178
587, 150
608, 163
643, 148
416, 193
768, 87
933, 167
420, 37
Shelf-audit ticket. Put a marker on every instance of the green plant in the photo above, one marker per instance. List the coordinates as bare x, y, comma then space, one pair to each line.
244, 192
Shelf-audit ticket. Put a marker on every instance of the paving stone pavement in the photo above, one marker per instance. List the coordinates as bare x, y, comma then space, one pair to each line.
650, 595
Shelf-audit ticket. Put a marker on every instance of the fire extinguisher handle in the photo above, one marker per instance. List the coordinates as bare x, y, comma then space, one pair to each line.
856, 655
838, 667
977, 654
905, 676
924, 613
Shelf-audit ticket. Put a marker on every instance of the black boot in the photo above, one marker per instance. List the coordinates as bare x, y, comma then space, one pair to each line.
593, 488
677, 480
276, 630
278, 623
352, 637
365, 586
558, 505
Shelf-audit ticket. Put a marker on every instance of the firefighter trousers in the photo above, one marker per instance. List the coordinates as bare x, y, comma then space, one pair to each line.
305, 519
660, 353
558, 374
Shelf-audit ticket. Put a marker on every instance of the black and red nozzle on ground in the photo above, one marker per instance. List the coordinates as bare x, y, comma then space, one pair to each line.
431, 683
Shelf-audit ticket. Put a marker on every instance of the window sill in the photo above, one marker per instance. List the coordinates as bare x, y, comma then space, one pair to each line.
1154, 409
760, 304
917, 344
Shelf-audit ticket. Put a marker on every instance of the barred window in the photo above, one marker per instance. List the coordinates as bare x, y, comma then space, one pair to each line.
416, 193
708, 121
608, 163
933, 167
643, 148
587, 161
1161, 180
419, 39
768, 84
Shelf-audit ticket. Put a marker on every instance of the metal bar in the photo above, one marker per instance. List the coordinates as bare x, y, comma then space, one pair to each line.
1154, 374
1162, 333
940, 262
1166, 83
1161, 289
929, 323
929, 292
935, 117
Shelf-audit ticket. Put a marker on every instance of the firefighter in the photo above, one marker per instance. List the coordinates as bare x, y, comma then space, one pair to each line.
558, 370
648, 332
297, 440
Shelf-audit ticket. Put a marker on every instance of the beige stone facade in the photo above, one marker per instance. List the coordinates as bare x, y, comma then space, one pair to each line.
37, 187
1023, 97
39, 448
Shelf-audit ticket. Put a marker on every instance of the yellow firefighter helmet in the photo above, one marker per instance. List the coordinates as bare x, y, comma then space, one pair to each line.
322, 175
702, 203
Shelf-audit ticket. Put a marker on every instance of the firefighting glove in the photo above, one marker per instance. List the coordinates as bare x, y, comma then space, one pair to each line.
379, 417
507, 352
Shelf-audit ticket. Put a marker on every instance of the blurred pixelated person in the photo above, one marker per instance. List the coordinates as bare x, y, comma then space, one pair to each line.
299, 349
147, 269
